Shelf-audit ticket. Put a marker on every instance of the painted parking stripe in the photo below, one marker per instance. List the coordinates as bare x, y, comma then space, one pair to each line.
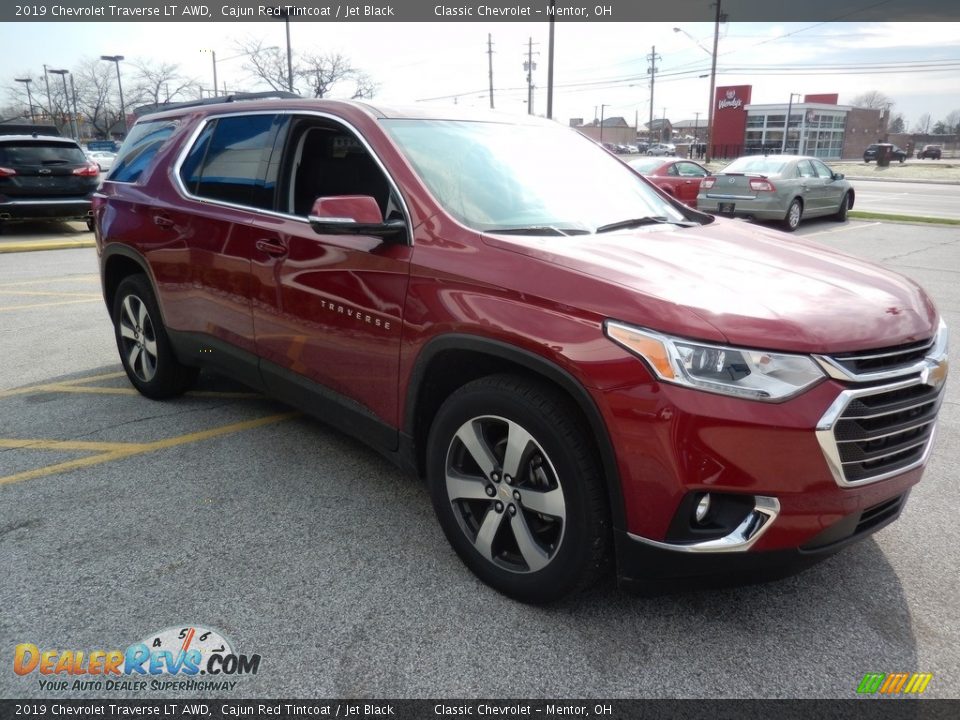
8, 308
125, 450
92, 277
858, 226
47, 293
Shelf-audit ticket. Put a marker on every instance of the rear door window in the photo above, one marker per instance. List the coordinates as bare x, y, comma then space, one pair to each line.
228, 160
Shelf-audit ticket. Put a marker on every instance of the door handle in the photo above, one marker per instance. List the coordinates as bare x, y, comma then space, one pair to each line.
163, 221
271, 247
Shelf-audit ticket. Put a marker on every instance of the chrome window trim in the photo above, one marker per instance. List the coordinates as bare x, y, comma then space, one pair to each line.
742, 538
188, 145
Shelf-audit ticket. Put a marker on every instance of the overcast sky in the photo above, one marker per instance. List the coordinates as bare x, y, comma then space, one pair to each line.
595, 64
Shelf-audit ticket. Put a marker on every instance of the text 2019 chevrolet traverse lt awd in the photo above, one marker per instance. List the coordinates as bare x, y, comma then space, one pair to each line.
589, 374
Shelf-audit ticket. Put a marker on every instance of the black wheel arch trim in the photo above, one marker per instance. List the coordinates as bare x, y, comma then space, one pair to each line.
539, 365
112, 250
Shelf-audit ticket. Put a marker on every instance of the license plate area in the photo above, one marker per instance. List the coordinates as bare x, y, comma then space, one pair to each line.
726, 208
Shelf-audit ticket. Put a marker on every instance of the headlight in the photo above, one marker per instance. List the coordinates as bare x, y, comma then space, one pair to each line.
753, 374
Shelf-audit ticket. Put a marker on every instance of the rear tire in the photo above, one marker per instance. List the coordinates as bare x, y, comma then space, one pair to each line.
145, 350
517, 488
791, 220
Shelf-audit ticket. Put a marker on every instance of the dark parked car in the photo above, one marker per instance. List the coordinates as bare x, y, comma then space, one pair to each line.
784, 188
43, 177
873, 151
589, 375
932, 152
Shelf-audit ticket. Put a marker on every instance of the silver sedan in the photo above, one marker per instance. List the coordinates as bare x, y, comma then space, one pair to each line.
785, 188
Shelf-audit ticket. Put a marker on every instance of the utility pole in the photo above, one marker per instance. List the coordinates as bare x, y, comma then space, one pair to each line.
553, 5
530, 66
652, 72
46, 80
713, 83
490, 65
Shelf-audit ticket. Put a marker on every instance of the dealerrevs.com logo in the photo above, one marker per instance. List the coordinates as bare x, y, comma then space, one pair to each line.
178, 658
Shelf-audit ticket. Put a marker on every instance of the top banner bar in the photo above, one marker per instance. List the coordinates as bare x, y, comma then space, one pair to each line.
490, 11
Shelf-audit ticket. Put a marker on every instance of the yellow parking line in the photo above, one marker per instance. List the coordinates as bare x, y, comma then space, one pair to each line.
92, 378
81, 445
48, 386
131, 449
40, 305
67, 278
54, 294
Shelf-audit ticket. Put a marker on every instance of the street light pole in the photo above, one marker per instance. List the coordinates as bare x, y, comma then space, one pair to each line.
115, 59
713, 75
213, 55
66, 94
27, 81
601, 122
786, 124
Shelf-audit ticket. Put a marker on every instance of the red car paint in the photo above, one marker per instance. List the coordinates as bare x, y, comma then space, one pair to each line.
356, 315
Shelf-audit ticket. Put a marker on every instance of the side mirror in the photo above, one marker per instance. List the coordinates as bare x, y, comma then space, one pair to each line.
838, 176
354, 215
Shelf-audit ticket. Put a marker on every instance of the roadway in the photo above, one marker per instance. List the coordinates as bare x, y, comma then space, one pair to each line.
908, 198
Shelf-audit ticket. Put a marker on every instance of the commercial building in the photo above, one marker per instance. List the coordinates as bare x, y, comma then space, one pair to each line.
818, 126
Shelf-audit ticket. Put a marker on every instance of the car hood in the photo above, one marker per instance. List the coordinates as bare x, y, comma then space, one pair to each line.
756, 287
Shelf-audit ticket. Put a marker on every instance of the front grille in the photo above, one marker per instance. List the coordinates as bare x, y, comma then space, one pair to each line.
883, 432
884, 359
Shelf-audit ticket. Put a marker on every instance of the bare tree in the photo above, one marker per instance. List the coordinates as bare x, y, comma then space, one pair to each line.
97, 95
316, 75
923, 124
873, 99
952, 121
266, 63
160, 82
323, 72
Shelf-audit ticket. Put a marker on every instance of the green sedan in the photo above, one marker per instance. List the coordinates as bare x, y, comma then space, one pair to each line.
784, 188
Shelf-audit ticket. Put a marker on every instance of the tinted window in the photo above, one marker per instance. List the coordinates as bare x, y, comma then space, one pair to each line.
226, 163
805, 169
143, 142
41, 153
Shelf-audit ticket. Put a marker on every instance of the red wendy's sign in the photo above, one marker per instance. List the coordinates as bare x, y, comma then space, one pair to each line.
730, 118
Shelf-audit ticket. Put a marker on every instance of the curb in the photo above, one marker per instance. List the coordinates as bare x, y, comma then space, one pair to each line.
917, 181
31, 246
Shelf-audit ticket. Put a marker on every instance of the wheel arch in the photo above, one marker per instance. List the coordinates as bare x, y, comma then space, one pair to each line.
119, 262
448, 362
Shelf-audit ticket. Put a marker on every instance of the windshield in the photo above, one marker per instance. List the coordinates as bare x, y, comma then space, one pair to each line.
542, 178
759, 164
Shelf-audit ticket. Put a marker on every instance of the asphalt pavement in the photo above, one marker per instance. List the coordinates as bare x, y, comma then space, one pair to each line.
122, 516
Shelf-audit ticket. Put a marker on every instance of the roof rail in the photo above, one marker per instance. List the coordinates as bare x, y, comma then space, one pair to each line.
234, 97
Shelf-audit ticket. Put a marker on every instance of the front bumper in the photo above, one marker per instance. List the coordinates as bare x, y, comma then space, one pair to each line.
652, 568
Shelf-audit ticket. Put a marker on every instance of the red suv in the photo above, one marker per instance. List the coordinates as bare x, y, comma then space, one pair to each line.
588, 373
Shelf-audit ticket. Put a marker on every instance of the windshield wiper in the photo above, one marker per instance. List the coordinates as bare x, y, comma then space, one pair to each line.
640, 221
538, 230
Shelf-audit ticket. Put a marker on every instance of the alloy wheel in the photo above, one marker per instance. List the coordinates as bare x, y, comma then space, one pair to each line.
138, 340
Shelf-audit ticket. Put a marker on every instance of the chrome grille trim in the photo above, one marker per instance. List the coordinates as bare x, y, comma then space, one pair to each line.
831, 445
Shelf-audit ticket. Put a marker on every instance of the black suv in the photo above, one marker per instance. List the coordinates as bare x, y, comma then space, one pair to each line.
930, 151
43, 177
873, 151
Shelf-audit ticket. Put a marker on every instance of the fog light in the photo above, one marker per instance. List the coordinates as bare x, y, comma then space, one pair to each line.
703, 507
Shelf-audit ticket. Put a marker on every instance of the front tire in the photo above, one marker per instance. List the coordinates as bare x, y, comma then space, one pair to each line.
517, 488
145, 350
841, 215
791, 220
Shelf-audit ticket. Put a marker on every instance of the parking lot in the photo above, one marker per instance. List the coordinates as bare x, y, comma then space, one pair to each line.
121, 517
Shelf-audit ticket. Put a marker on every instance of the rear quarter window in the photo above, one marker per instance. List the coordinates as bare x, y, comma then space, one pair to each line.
140, 147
